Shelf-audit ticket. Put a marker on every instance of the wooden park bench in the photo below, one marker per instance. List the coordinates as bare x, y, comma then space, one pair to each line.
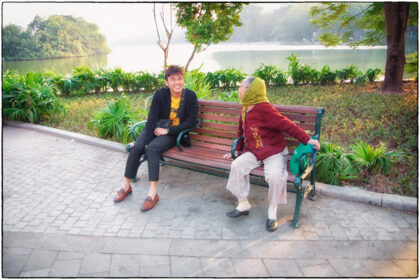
216, 135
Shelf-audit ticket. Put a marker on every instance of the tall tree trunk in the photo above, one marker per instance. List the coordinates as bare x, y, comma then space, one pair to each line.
189, 60
396, 16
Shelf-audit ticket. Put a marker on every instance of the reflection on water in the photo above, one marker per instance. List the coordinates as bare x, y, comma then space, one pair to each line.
62, 65
335, 58
245, 57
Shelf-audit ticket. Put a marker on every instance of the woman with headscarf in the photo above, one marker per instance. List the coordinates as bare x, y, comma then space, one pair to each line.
262, 128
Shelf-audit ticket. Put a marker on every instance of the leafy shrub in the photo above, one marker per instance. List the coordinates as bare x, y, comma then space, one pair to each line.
85, 79
372, 160
294, 69
146, 81
327, 77
196, 81
334, 165
228, 78
372, 74
411, 66
232, 96
114, 120
115, 78
360, 80
271, 75
29, 98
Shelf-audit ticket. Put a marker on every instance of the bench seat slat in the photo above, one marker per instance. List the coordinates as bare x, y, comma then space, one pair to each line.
211, 146
211, 158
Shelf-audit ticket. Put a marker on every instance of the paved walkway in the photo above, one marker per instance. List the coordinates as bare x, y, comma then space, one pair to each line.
59, 220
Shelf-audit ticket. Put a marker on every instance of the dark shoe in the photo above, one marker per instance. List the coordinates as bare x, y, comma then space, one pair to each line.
236, 213
149, 203
272, 225
121, 194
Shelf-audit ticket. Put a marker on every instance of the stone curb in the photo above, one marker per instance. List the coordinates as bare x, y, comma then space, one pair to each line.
355, 194
70, 135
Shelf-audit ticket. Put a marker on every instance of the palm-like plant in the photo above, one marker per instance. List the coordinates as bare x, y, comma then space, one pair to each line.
372, 74
232, 96
196, 82
116, 78
114, 120
372, 160
85, 78
29, 98
334, 165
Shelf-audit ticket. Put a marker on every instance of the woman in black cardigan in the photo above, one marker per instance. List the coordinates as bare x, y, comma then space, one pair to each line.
173, 102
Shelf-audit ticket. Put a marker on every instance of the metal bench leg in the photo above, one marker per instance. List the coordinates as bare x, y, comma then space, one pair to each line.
299, 200
312, 195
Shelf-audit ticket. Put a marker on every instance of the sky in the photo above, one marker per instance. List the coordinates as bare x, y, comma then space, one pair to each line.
116, 21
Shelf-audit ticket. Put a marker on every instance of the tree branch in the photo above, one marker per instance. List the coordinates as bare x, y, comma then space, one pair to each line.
157, 28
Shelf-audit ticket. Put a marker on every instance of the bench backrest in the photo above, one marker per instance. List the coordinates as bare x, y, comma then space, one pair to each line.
219, 123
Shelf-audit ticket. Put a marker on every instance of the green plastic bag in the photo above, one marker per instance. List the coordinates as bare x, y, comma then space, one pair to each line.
302, 149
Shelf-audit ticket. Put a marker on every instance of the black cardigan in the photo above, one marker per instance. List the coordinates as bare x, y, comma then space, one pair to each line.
160, 109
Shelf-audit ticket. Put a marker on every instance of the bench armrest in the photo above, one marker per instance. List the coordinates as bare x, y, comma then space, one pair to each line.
133, 129
233, 148
178, 138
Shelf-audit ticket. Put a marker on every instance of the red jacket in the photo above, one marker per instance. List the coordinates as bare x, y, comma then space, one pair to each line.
264, 127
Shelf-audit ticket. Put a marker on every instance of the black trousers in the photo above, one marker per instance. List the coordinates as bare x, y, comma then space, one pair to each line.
154, 149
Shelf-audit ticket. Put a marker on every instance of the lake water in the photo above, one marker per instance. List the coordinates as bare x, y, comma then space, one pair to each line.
245, 57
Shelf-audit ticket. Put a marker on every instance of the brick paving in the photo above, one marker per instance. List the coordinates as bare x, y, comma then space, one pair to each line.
59, 220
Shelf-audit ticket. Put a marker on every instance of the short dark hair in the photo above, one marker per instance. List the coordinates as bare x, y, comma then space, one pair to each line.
173, 69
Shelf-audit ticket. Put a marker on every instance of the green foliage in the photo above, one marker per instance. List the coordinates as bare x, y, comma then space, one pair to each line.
228, 78
146, 81
411, 66
232, 96
196, 81
208, 23
55, 37
295, 69
29, 98
372, 74
271, 75
327, 77
334, 165
114, 120
343, 22
355, 23
372, 160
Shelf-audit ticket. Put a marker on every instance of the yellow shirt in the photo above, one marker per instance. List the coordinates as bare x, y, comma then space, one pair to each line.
174, 109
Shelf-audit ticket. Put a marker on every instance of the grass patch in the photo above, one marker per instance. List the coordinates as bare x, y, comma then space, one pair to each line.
81, 109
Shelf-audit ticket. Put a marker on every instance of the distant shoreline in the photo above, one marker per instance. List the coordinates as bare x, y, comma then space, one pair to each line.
47, 58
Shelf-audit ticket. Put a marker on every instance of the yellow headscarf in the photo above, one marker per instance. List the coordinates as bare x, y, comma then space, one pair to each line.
256, 93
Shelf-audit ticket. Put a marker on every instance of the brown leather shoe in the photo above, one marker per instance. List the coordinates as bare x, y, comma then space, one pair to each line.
149, 203
122, 193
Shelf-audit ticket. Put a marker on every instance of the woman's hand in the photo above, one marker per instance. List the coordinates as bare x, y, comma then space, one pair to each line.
160, 131
229, 155
315, 143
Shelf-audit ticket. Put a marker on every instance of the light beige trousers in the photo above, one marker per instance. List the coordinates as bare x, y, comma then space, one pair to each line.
275, 173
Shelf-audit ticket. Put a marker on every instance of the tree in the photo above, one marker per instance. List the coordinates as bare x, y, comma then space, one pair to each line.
207, 23
377, 21
168, 31
55, 37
